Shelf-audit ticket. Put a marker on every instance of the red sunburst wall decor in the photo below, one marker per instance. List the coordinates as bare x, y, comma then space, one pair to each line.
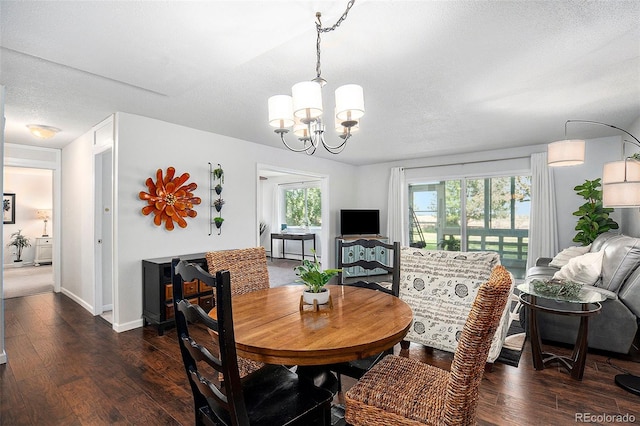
170, 199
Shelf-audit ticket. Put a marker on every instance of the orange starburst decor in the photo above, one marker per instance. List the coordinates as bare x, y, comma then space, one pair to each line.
169, 199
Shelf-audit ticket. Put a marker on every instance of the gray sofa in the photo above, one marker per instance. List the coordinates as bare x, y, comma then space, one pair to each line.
615, 327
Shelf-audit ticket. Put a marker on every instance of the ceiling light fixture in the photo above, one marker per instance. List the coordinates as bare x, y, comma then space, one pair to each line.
42, 131
620, 179
303, 111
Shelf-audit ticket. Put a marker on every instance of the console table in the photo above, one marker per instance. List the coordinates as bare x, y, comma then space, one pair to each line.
157, 290
293, 236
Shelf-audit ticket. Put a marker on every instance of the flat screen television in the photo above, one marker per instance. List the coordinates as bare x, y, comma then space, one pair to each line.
359, 222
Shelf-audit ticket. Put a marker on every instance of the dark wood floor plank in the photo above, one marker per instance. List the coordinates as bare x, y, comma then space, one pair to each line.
93, 407
12, 408
43, 400
68, 367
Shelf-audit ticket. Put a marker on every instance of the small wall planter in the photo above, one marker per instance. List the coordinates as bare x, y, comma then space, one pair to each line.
216, 179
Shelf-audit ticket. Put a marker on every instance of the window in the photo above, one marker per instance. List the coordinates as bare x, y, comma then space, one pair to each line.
474, 214
302, 205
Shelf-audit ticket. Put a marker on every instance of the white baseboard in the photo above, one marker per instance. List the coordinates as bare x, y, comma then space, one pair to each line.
128, 325
116, 327
107, 308
16, 265
3, 357
76, 299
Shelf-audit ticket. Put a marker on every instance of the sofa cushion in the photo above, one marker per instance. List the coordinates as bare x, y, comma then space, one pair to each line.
567, 254
621, 258
601, 239
584, 269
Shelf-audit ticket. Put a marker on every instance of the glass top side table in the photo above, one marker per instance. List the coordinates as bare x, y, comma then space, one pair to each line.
589, 301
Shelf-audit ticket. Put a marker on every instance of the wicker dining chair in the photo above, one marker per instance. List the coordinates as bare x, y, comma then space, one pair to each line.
248, 269
404, 391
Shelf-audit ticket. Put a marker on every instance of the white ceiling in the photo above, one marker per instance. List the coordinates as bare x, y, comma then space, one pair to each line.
440, 77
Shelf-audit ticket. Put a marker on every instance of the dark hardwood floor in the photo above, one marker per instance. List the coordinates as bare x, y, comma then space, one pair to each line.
67, 367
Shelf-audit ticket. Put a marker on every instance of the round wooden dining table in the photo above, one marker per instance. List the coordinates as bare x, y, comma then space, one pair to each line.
270, 327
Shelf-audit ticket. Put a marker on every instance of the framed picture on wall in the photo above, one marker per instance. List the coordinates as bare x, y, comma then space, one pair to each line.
9, 208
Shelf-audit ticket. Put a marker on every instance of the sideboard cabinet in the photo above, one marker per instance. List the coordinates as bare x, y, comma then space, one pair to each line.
158, 290
44, 250
355, 253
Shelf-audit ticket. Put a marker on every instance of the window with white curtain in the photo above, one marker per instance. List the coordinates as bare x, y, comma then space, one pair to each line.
473, 214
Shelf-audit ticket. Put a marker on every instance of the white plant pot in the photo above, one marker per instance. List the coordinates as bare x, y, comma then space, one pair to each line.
322, 297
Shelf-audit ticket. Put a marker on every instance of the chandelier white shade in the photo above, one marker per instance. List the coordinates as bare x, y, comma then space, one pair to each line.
569, 152
280, 111
307, 100
303, 111
349, 102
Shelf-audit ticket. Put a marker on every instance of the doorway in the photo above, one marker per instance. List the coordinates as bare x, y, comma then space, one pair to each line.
271, 212
104, 234
30, 191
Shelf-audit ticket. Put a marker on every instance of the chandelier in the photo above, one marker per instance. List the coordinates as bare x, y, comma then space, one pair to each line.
620, 179
303, 110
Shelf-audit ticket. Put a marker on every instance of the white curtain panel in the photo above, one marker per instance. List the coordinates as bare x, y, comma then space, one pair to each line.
397, 212
543, 230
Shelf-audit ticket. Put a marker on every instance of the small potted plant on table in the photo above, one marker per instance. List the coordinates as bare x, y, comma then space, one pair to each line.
314, 278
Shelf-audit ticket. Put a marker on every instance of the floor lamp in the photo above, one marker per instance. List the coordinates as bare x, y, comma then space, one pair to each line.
620, 188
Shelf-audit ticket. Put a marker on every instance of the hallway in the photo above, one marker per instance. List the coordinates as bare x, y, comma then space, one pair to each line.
27, 281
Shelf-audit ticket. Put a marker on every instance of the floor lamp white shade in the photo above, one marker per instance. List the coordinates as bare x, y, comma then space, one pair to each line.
568, 152
621, 184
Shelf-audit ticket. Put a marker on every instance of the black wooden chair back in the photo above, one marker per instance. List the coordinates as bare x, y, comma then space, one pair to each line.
272, 395
363, 253
231, 401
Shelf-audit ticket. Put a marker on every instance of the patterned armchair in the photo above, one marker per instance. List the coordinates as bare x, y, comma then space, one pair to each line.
440, 286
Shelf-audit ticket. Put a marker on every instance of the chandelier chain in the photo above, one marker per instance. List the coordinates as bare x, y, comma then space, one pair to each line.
319, 30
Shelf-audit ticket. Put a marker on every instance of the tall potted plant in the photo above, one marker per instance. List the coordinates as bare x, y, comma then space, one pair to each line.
19, 241
593, 217
314, 278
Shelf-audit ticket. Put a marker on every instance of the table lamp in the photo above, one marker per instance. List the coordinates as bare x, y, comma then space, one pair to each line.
44, 215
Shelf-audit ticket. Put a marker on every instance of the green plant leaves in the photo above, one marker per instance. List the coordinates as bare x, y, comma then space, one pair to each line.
312, 275
593, 216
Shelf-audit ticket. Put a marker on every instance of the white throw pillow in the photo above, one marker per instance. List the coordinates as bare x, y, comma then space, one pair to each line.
583, 269
567, 254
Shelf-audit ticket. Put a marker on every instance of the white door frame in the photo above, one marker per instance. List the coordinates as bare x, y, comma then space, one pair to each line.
55, 166
326, 208
103, 141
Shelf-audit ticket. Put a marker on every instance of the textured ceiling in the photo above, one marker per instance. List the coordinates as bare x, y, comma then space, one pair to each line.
439, 77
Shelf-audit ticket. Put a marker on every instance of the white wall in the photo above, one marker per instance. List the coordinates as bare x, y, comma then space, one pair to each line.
33, 189
598, 152
144, 145
77, 248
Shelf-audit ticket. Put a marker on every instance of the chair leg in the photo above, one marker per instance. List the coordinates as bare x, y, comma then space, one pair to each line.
404, 344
